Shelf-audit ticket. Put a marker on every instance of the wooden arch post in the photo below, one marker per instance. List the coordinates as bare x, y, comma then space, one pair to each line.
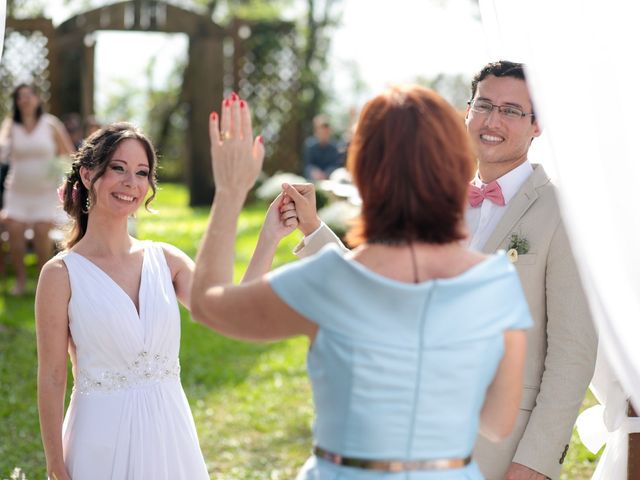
204, 95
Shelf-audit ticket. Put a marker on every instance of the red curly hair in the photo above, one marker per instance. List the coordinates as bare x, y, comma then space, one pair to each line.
412, 162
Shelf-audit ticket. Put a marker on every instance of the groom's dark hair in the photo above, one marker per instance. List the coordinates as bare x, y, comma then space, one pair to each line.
501, 68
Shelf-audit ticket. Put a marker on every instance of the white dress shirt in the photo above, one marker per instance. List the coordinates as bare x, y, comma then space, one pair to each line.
483, 219
308, 238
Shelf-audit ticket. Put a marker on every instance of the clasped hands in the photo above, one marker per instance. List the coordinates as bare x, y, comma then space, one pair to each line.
294, 207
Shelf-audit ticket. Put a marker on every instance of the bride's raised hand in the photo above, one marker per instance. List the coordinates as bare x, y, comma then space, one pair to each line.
235, 155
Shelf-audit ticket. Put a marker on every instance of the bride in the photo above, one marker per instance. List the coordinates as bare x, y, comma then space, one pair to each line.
110, 301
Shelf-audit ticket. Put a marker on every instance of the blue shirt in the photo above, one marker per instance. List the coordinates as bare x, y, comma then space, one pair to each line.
325, 157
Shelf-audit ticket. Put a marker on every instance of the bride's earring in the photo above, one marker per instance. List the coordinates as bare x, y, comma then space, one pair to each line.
87, 204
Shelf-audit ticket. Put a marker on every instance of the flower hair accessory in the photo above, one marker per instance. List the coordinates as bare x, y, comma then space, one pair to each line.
62, 189
517, 246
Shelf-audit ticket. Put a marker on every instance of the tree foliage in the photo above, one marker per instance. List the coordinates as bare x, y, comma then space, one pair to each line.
289, 111
284, 115
455, 88
25, 8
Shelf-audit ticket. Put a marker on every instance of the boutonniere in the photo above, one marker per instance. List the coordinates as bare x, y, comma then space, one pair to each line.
517, 246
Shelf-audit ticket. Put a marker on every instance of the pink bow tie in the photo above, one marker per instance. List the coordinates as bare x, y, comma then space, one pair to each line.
490, 191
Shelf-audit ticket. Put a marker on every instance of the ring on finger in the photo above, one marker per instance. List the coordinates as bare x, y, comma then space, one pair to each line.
225, 134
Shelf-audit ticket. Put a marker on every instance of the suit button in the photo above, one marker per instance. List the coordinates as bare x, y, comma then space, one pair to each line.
564, 454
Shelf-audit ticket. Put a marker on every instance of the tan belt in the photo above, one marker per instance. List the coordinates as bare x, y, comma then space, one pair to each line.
392, 465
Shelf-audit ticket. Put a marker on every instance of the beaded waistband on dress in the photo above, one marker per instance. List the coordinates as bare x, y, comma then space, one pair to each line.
146, 370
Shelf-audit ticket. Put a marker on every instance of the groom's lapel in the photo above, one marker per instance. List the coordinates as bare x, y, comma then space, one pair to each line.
518, 206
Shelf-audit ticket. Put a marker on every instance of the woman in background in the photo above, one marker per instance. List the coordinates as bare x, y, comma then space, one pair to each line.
34, 139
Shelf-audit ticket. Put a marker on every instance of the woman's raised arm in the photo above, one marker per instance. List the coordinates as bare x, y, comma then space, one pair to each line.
252, 310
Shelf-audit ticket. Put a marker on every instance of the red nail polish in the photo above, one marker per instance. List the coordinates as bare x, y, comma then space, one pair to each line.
227, 102
261, 139
213, 116
234, 96
242, 104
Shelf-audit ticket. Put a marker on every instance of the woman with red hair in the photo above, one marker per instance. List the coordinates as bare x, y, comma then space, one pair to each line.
416, 342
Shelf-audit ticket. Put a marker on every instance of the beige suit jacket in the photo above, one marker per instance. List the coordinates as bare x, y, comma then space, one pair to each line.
561, 346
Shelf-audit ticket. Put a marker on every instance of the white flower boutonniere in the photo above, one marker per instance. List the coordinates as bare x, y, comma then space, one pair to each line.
512, 255
517, 246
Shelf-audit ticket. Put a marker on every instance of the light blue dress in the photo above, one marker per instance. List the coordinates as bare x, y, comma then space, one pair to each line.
399, 371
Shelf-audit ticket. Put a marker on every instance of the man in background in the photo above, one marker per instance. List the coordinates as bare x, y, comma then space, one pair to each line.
321, 154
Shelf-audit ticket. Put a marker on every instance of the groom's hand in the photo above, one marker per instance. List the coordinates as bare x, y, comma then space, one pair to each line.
520, 472
304, 197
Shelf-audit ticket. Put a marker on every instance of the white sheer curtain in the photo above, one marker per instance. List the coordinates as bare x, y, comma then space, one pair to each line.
583, 59
3, 17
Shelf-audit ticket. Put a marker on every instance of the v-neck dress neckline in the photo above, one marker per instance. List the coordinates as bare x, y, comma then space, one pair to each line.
138, 308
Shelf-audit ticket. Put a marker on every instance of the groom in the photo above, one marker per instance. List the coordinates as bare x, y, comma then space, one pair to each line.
513, 206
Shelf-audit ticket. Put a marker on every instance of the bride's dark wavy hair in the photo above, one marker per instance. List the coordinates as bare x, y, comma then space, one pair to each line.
95, 154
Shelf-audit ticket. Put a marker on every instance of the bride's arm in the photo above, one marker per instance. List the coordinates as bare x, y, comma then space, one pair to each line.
181, 267
279, 222
52, 332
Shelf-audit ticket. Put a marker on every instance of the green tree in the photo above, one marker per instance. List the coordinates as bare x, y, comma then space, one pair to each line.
166, 120
322, 17
284, 115
25, 8
284, 111
454, 88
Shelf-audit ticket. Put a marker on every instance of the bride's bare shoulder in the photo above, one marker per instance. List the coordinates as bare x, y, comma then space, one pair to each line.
54, 276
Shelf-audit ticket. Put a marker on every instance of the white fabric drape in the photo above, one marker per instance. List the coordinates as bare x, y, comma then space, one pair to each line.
583, 67
3, 17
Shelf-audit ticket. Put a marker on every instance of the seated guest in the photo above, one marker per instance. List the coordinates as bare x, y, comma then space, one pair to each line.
91, 125
417, 343
321, 153
73, 123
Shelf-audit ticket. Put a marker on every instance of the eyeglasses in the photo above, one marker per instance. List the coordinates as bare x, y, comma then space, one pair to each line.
485, 108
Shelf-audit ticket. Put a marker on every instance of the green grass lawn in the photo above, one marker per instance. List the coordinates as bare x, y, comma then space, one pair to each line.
251, 402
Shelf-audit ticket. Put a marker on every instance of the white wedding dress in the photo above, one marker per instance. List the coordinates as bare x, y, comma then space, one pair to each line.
128, 417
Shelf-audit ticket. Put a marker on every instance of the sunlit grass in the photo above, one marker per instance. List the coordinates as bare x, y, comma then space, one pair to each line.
251, 402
